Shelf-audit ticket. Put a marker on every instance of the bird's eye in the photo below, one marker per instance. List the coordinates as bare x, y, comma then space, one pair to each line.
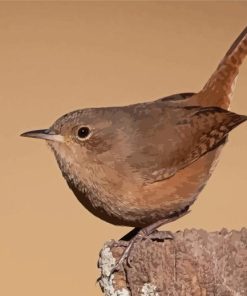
83, 132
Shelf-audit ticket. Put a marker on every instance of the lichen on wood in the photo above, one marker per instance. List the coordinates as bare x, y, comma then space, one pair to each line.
194, 262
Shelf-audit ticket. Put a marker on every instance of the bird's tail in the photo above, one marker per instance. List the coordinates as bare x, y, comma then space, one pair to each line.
218, 91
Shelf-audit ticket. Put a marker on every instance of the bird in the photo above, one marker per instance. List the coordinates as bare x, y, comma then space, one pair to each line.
144, 164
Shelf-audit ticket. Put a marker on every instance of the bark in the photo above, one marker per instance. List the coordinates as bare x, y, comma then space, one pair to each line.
194, 262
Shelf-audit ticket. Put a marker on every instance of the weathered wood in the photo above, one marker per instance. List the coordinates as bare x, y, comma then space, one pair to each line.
195, 262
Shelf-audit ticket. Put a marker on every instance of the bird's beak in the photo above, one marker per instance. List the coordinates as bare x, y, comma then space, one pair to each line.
45, 134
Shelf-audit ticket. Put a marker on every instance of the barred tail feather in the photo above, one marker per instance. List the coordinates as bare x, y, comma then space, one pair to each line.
218, 91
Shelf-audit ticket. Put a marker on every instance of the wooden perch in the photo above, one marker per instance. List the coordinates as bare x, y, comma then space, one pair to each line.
194, 263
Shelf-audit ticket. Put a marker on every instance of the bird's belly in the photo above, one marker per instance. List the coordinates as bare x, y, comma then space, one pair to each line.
172, 195
154, 201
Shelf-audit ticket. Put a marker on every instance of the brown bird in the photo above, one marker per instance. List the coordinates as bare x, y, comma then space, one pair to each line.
144, 164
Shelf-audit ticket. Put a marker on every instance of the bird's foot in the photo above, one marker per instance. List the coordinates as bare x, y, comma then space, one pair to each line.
120, 243
146, 232
161, 235
126, 254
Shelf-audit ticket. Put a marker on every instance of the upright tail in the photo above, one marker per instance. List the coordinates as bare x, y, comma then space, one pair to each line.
218, 91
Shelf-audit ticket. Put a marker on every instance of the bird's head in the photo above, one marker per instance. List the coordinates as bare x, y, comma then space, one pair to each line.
80, 136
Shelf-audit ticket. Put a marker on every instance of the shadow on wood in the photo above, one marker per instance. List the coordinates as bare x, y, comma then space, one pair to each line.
194, 263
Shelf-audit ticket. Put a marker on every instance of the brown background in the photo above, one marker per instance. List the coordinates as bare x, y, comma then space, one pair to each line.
57, 57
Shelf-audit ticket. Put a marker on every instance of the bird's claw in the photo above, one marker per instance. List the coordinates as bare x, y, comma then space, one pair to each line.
161, 235
120, 243
116, 268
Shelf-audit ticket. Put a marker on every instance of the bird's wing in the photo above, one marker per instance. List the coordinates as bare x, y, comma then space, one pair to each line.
178, 138
177, 97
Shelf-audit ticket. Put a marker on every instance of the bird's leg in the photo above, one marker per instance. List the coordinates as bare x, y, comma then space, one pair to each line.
130, 235
125, 240
145, 232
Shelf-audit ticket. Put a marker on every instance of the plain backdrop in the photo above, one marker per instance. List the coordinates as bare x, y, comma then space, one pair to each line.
59, 56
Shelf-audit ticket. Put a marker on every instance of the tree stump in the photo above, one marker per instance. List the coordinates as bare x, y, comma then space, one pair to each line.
193, 263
